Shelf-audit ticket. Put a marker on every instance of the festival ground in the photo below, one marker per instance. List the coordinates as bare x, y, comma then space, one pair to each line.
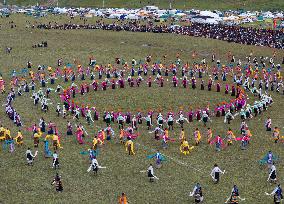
23, 184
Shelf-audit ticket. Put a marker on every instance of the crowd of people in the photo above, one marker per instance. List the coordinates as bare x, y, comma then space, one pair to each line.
243, 35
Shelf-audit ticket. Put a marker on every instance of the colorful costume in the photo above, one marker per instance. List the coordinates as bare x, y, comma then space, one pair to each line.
159, 158
218, 141
58, 183
79, 135
182, 136
209, 135
184, 148
129, 145
230, 137
36, 139
197, 136
197, 193
19, 139
276, 134
122, 199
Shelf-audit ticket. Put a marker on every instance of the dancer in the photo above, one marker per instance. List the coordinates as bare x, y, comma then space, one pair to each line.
160, 120
129, 145
58, 183
209, 135
205, 118
121, 121
55, 161
69, 128
182, 136
235, 196
170, 122
244, 141
218, 141
148, 121
268, 159
95, 166
58, 109
165, 139
30, 156
181, 120
19, 139
109, 132
55, 142
197, 193
151, 175
276, 134
230, 136
197, 136
184, 147
277, 193
228, 117
122, 199
215, 173
268, 124
159, 158
79, 135
37, 135
272, 178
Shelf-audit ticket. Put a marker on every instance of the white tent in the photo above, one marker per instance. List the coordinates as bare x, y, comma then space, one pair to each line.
60, 10
211, 21
268, 15
231, 18
132, 17
209, 13
114, 16
279, 15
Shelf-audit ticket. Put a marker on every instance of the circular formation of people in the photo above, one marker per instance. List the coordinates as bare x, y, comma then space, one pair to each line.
255, 77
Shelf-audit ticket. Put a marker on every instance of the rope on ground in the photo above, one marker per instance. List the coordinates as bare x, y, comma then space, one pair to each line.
173, 159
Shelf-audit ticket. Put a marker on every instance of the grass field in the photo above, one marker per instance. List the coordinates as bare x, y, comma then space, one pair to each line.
23, 184
177, 4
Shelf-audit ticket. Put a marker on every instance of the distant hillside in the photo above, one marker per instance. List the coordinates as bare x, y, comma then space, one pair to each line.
178, 4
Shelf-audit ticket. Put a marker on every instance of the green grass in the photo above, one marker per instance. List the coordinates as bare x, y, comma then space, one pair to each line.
177, 4
23, 184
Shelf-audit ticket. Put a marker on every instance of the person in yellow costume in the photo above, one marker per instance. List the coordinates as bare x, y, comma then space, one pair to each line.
103, 135
129, 147
184, 148
39, 131
8, 134
37, 135
2, 133
166, 131
276, 134
230, 137
19, 139
182, 136
278, 74
197, 136
55, 141
95, 143
49, 69
209, 135
32, 75
121, 135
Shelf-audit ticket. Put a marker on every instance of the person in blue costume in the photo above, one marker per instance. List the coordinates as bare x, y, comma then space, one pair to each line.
159, 158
